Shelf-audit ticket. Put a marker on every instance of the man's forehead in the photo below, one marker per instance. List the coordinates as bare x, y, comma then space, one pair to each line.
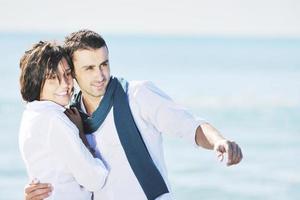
85, 55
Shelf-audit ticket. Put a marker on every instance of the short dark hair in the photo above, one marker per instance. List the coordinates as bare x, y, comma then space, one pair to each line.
37, 64
83, 39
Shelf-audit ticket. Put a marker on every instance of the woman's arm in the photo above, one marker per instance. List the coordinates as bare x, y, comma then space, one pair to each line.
74, 116
64, 139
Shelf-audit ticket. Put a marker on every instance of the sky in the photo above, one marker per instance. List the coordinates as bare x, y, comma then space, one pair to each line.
270, 18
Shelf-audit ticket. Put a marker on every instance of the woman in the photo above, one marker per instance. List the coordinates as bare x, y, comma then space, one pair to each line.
50, 143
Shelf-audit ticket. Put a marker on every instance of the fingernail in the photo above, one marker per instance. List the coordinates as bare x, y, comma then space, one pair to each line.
35, 180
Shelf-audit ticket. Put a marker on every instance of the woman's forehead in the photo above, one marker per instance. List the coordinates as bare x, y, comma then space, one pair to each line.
63, 65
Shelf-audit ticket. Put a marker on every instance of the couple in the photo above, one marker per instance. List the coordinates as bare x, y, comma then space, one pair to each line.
108, 145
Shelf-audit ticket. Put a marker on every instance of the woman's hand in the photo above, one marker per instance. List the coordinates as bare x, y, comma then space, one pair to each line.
74, 116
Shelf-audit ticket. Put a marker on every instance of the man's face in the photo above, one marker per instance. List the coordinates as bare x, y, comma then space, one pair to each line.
92, 71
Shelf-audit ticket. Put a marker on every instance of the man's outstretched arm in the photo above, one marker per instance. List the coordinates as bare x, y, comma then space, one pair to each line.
209, 137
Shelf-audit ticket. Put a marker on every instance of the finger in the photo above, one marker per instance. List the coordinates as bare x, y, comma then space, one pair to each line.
68, 114
221, 149
33, 187
75, 110
39, 194
235, 152
72, 109
35, 181
42, 196
220, 157
240, 155
67, 111
230, 153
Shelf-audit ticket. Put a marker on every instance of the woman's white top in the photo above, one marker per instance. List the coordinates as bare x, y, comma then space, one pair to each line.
54, 153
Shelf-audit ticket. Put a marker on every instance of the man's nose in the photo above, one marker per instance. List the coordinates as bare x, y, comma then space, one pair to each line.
99, 73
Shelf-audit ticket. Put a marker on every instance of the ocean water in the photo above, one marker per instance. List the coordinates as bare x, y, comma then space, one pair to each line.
249, 88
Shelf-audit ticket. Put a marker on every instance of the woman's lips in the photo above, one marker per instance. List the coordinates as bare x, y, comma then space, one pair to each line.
62, 94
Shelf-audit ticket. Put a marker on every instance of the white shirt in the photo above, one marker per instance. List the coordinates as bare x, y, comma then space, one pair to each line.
154, 113
53, 153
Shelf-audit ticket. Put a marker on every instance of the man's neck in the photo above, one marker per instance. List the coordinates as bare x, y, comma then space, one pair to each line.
91, 103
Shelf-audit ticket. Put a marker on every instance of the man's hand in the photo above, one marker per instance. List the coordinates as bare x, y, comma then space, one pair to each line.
37, 191
209, 137
234, 152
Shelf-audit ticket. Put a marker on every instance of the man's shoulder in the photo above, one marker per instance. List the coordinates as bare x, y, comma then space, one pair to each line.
136, 85
146, 90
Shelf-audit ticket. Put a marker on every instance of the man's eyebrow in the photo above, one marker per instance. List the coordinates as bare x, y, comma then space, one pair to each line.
86, 66
104, 62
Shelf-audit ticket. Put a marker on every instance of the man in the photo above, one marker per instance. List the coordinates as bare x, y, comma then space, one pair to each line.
124, 123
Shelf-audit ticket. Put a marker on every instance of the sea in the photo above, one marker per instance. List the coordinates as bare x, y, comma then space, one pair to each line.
247, 87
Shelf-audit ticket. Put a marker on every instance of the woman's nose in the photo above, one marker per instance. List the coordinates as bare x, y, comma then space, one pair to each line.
65, 80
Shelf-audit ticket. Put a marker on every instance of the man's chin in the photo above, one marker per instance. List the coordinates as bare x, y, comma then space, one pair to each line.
98, 94
93, 93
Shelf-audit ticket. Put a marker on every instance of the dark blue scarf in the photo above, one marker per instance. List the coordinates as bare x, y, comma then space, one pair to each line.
132, 142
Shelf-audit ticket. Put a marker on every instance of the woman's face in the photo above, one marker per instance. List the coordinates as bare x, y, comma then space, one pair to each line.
58, 88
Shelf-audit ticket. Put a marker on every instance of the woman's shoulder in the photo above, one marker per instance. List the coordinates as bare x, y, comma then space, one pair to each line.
60, 119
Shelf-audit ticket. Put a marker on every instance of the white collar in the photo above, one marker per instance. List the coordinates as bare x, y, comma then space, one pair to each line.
82, 104
41, 105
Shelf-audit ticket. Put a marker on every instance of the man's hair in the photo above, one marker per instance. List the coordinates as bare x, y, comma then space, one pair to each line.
37, 64
83, 39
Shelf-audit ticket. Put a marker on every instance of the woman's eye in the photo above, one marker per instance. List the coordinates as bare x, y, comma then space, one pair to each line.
53, 76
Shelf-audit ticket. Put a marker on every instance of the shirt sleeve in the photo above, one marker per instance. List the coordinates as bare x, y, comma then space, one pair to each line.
64, 139
164, 114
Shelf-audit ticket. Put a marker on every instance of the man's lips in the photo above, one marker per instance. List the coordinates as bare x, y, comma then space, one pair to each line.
99, 84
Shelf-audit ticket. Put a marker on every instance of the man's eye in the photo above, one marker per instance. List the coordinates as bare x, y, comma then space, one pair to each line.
89, 68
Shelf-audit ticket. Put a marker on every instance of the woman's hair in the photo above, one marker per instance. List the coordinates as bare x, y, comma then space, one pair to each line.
37, 64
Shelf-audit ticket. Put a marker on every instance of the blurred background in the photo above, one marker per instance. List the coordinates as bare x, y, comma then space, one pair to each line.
234, 63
